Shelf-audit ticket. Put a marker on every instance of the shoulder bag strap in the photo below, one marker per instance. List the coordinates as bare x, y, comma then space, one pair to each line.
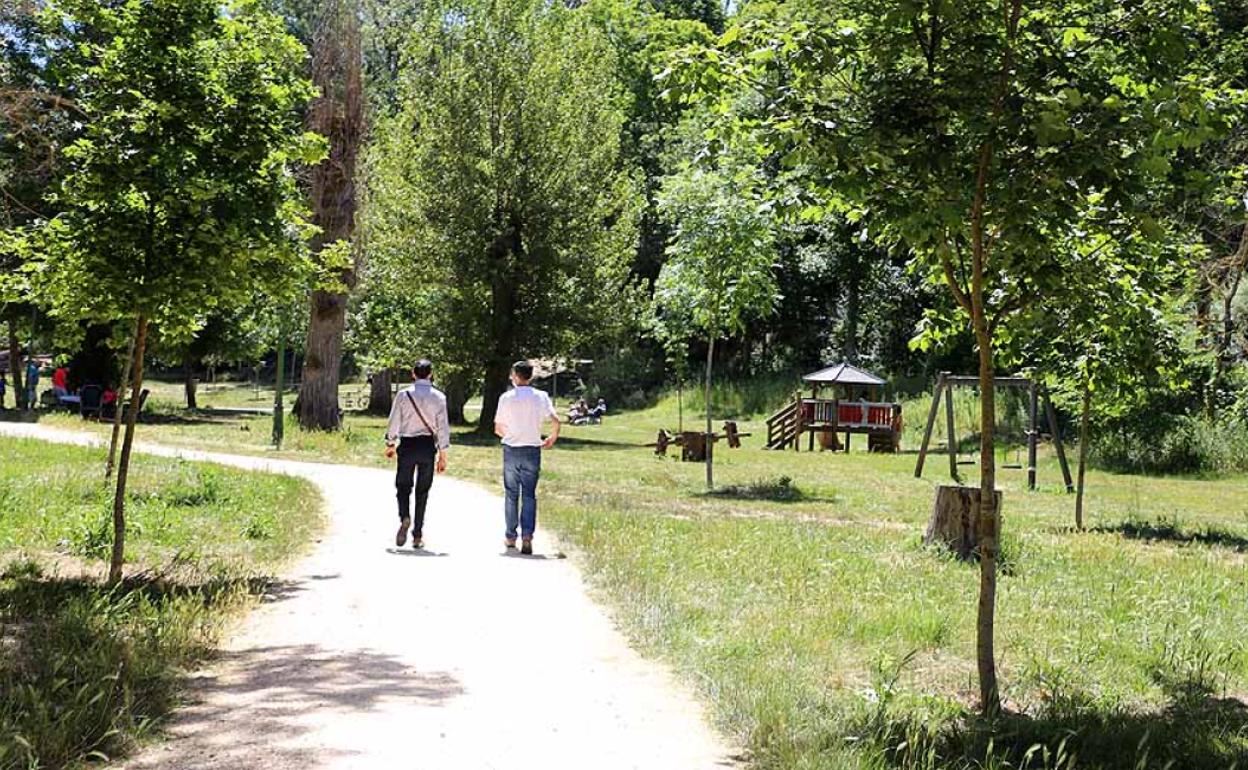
421, 415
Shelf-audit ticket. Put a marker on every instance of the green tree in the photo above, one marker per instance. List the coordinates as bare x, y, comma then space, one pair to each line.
1101, 347
719, 267
37, 119
179, 193
501, 221
643, 38
977, 135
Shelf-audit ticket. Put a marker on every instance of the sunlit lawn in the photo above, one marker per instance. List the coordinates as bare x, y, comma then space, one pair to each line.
87, 669
791, 617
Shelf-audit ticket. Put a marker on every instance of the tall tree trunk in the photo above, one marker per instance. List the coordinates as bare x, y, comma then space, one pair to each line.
853, 310
1235, 267
338, 115
680, 404
1085, 437
121, 399
989, 519
710, 443
279, 385
456, 389
380, 397
15, 363
123, 466
492, 389
188, 382
503, 302
318, 396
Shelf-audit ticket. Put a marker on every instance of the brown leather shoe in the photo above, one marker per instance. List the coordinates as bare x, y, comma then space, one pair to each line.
400, 537
526, 546
510, 543
418, 543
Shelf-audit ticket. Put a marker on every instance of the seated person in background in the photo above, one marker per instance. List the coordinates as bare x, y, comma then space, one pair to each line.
108, 402
60, 381
577, 411
600, 410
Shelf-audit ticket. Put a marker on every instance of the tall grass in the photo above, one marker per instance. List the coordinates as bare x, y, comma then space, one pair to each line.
86, 670
89, 670
1178, 444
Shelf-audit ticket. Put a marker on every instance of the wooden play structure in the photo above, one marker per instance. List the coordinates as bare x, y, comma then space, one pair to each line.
693, 443
946, 382
843, 399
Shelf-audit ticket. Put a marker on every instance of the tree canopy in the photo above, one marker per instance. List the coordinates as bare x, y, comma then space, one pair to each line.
501, 220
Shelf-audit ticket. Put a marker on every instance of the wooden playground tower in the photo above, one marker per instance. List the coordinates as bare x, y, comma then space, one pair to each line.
842, 413
946, 382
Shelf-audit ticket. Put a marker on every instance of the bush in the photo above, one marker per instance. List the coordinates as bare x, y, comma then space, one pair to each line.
1178, 444
780, 490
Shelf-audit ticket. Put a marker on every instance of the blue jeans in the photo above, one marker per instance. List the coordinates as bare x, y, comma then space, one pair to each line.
521, 467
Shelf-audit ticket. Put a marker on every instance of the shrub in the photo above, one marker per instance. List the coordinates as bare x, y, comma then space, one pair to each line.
1175, 444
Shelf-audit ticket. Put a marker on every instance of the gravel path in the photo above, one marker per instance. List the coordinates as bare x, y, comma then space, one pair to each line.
368, 656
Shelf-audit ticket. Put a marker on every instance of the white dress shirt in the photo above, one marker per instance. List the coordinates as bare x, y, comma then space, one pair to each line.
405, 423
521, 412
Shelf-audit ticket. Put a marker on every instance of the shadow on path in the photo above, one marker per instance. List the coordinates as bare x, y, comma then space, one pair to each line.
412, 552
288, 694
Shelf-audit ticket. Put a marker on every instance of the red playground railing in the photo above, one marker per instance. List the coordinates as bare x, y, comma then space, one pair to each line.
850, 414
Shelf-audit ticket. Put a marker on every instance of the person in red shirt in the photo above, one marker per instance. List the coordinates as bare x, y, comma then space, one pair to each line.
60, 381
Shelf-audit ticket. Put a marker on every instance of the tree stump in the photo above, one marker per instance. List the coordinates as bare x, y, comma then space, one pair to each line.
955, 517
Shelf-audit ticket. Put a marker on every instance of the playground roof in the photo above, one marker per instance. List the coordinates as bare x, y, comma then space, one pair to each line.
843, 374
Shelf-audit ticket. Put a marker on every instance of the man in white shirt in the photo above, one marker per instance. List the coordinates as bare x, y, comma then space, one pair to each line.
421, 429
518, 422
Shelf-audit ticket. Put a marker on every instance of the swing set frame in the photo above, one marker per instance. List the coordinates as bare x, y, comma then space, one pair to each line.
946, 382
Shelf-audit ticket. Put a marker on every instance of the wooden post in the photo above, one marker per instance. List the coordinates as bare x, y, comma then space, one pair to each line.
1057, 443
950, 438
797, 431
279, 410
1032, 408
931, 423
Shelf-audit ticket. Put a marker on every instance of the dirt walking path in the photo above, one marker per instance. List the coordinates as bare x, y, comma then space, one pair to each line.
368, 656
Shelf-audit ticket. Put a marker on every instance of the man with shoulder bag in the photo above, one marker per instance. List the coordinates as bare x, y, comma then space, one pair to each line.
420, 434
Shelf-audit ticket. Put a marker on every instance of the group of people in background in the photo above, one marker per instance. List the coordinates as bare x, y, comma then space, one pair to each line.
581, 413
419, 437
65, 392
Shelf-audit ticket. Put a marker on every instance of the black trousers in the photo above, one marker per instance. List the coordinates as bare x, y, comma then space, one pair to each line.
416, 458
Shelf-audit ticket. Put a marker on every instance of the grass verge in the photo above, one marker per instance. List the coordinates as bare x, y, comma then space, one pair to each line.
86, 670
826, 636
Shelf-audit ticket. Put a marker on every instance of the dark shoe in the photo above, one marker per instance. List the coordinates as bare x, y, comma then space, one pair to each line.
418, 543
526, 546
400, 537
510, 543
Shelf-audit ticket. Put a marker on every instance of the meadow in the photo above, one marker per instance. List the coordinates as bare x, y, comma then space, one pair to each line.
89, 670
801, 603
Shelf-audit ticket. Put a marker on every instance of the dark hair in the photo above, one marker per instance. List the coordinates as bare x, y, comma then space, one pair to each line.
422, 369
524, 369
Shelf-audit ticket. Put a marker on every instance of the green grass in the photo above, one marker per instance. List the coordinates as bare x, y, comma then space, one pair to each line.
87, 670
825, 635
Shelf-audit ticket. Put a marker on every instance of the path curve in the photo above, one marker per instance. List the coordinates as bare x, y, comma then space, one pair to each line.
369, 656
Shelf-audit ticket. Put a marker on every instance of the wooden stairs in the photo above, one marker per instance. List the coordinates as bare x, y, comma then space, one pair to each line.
784, 427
